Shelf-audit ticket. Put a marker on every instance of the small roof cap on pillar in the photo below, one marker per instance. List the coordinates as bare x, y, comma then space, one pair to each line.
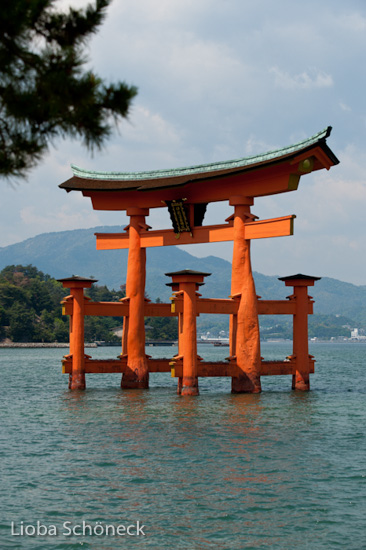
187, 272
299, 277
175, 284
186, 276
77, 278
75, 281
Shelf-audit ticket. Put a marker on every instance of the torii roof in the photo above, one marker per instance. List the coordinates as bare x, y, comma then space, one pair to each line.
84, 180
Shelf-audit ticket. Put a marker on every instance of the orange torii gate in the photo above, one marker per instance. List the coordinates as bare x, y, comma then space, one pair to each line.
186, 193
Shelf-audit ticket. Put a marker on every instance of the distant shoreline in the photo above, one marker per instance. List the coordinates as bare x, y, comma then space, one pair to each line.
30, 345
41, 345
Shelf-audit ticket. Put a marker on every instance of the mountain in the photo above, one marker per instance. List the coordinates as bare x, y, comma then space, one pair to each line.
66, 253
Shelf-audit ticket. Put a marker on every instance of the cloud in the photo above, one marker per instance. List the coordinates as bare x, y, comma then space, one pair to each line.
307, 80
354, 22
344, 107
255, 146
145, 126
61, 219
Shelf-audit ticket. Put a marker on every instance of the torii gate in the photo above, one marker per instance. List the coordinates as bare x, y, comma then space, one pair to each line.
186, 193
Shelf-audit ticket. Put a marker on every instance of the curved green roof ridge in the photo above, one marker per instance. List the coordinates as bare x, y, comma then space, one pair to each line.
204, 168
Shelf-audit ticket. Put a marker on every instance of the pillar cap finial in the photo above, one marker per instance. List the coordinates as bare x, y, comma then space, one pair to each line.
299, 276
187, 276
299, 280
188, 272
75, 281
78, 278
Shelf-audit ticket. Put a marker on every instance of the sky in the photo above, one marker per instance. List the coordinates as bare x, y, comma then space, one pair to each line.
219, 80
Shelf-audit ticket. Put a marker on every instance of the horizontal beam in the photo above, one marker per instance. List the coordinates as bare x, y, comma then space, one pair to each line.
204, 368
265, 307
208, 305
260, 229
109, 366
276, 227
159, 365
106, 309
97, 366
208, 369
119, 309
229, 307
280, 307
276, 307
268, 368
204, 305
274, 368
158, 310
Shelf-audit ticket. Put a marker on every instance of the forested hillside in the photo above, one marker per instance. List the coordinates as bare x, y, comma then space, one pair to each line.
30, 310
30, 306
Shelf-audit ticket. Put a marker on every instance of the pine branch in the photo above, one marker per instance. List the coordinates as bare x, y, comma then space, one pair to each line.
44, 91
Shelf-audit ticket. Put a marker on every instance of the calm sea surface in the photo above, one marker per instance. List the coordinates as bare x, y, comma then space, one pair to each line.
280, 470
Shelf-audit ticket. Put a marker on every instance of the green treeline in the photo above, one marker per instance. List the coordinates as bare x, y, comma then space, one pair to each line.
30, 310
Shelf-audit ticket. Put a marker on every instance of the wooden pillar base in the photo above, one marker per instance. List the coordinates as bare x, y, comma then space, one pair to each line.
132, 380
77, 381
180, 385
301, 382
244, 384
190, 385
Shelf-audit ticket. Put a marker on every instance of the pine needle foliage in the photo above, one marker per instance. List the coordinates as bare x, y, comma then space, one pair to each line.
45, 89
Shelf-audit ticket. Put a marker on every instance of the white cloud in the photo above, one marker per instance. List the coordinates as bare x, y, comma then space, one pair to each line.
354, 22
344, 106
306, 80
145, 126
60, 219
255, 146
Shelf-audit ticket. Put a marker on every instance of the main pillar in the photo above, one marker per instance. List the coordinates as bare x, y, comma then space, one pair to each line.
300, 283
76, 285
244, 330
137, 374
188, 282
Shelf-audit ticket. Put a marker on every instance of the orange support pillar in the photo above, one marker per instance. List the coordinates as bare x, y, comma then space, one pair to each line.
124, 335
65, 301
76, 285
244, 330
188, 282
137, 374
180, 334
300, 380
176, 298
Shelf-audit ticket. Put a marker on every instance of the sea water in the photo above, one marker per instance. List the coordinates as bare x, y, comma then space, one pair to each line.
280, 470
